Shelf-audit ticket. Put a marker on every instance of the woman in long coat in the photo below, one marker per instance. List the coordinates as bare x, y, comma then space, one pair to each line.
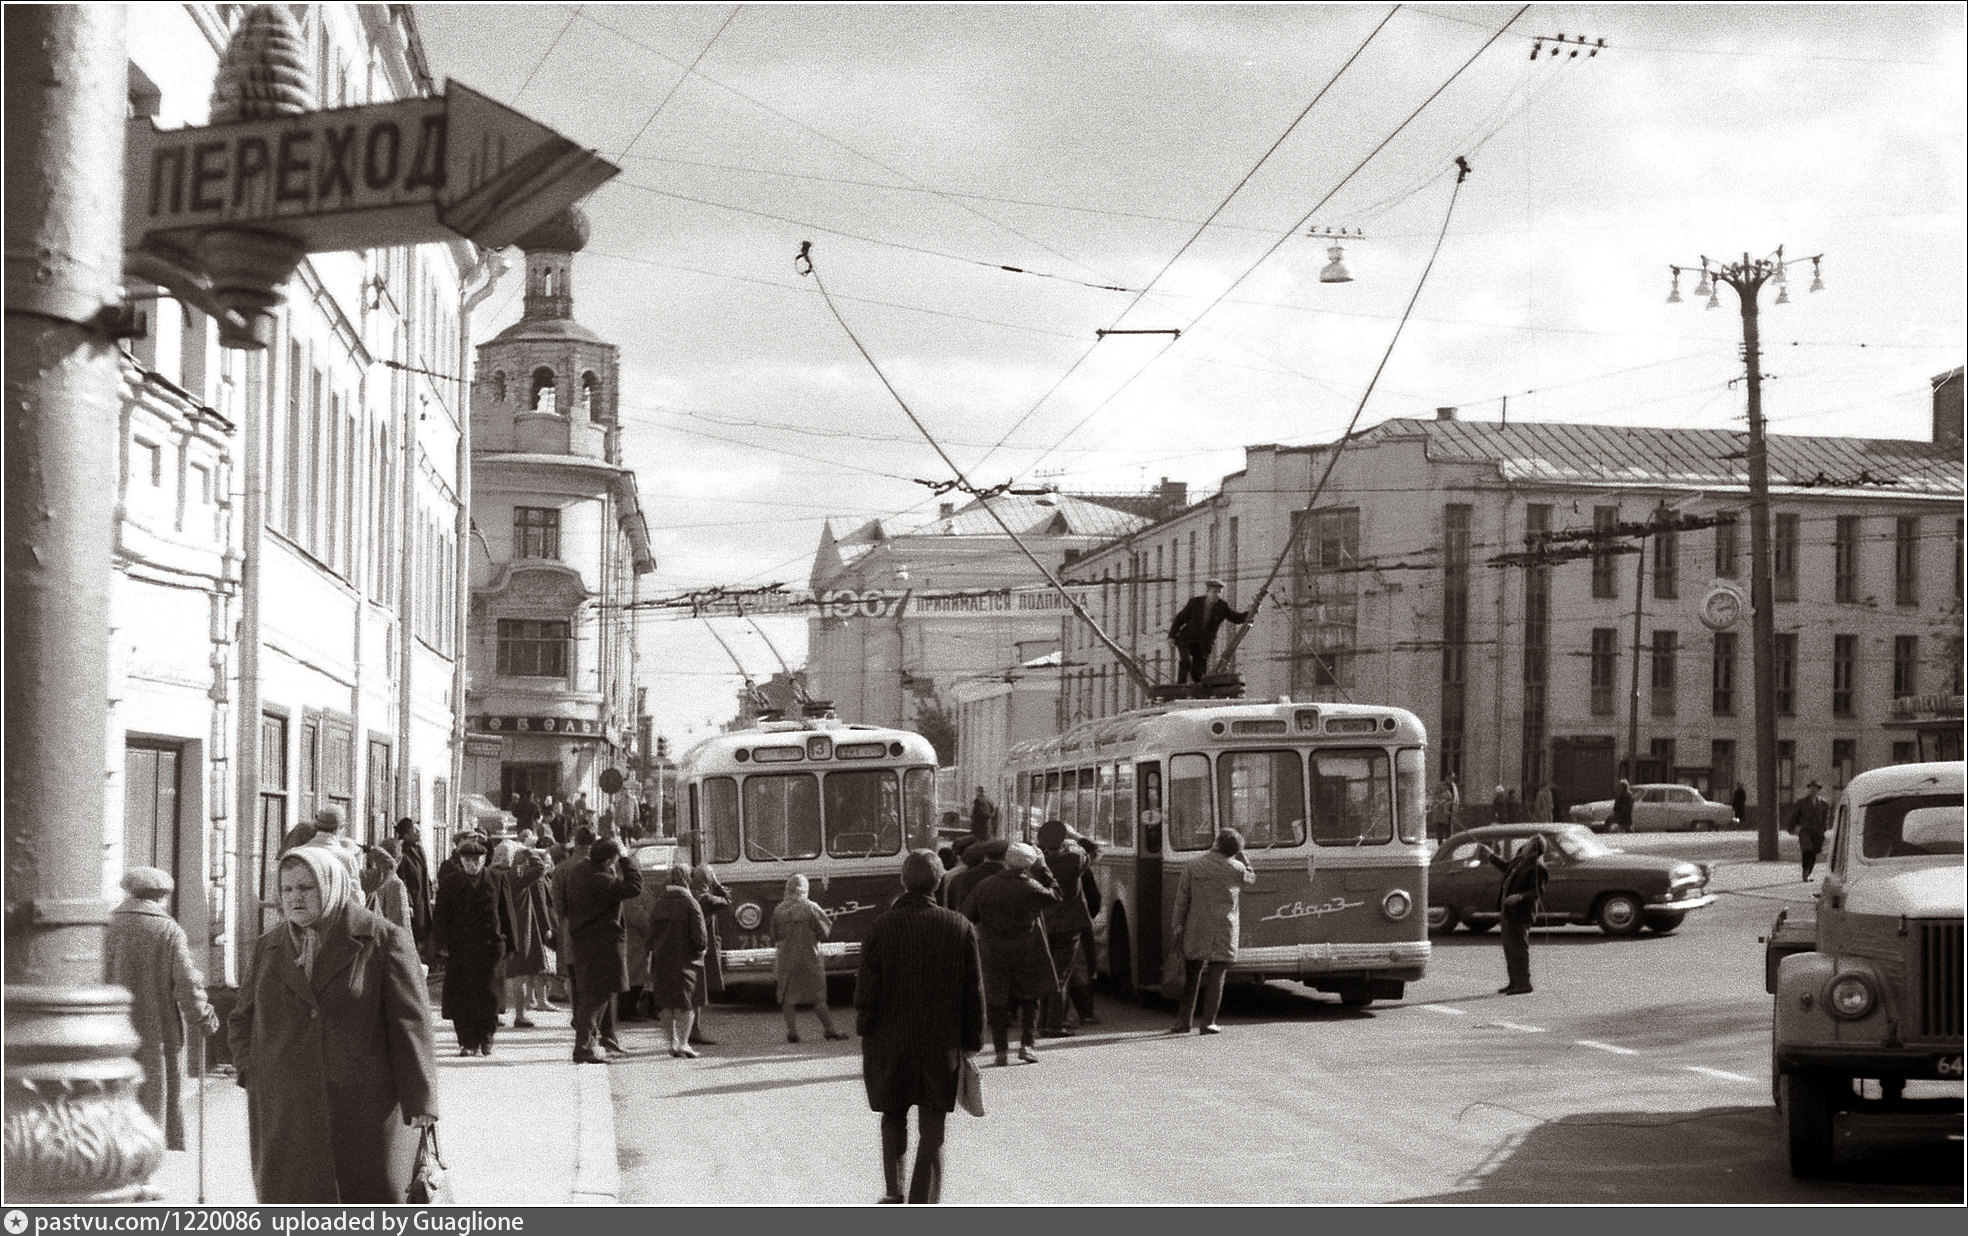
519, 872
677, 939
147, 953
1009, 910
332, 1042
798, 926
472, 933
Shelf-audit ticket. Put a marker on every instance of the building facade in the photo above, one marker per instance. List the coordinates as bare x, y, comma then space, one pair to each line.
558, 549
285, 602
1568, 672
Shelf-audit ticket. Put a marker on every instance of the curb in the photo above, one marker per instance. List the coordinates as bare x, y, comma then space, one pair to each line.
597, 1173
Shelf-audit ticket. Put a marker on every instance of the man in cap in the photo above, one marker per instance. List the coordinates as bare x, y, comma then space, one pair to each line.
1206, 925
1194, 630
1809, 817
919, 1007
1009, 909
146, 952
1064, 924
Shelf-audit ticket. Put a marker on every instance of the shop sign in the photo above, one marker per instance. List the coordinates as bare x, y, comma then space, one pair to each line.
580, 727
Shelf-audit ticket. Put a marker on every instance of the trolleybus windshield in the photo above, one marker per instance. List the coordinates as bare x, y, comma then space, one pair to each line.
1352, 798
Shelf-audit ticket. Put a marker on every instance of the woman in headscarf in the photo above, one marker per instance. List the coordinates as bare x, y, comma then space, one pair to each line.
472, 936
519, 872
677, 938
798, 926
712, 896
1009, 910
382, 888
332, 1042
146, 951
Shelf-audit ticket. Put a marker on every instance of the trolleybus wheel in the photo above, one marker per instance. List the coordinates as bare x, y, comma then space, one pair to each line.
1120, 960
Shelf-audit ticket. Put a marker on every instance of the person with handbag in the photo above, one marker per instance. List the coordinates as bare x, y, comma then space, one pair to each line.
919, 1008
331, 1040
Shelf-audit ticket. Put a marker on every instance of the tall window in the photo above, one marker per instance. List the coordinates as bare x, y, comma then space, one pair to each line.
1661, 675
273, 794
291, 493
1785, 673
1844, 659
1537, 649
1906, 560
536, 532
1786, 768
1605, 668
1722, 677
1726, 551
1960, 563
1667, 559
1845, 559
1844, 761
1906, 665
1326, 620
1455, 633
532, 649
1605, 583
1783, 557
1954, 665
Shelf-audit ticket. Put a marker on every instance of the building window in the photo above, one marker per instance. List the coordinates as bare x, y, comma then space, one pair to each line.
1722, 678
1785, 656
1721, 767
1960, 562
1783, 558
1604, 582
1845, 559
1531, 770
1327, 617
1667, 558
273, 794
1844, 761
542, 398
1954, 665
1844, 658
1455, 633
532, 649
1906, 752
1906, 665
1605, 668
1906, 560
536, 532
1786, 768
1726, 551
1661, 674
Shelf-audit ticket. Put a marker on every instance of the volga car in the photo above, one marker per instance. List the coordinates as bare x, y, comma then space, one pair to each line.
1590, 882
1660, 808
1868, 990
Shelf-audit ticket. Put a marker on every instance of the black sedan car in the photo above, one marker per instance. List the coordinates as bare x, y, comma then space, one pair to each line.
1590, 882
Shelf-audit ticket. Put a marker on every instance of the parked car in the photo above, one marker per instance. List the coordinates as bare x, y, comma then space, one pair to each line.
1590, 882
1660, 808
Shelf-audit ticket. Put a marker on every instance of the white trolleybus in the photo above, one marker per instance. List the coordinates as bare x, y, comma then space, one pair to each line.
836, 803
1329, 798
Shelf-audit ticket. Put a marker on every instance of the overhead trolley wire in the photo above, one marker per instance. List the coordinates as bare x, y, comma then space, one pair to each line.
681, 78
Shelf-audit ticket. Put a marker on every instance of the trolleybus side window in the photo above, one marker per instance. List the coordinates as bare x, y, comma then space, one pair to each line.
1124, 806
719, 825
919, 807
782, 816
1151, 800
1189, 824
1051, 811
1262, 797
1103, 823
1352, 800
864, 813
1410, 794
1087, 821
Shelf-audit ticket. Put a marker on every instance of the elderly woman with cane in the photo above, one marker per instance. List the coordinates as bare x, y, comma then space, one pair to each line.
798, 926
147, 953
332, 1041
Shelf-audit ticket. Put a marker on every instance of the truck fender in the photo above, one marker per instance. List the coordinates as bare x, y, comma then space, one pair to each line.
1801, 1019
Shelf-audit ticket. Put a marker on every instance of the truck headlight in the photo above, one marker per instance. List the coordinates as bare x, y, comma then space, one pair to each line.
1850, 996
1397, 905
749, 916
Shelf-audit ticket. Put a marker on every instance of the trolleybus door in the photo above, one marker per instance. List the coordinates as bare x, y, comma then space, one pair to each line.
1148, 914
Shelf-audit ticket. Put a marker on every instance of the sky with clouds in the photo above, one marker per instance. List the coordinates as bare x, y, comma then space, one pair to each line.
924, 148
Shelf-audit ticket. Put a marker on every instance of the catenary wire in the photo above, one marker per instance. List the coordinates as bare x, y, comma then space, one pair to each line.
681, 78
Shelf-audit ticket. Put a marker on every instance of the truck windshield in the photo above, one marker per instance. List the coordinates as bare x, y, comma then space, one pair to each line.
1913, 826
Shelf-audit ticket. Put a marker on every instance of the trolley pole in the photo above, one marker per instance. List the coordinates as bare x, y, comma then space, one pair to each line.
74, 1130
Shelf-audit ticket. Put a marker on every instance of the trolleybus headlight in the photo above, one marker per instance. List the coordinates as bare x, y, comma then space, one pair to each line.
1397, 905
1849, 996
749, 916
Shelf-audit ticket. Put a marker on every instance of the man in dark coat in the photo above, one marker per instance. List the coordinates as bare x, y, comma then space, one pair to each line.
919, 1007
1524, 877
473, 935
1064, 925
1194, 630
415, 872
958, 882
1009, 909
595, 893
1809, 817
525, 810
1739, 802
1621, 821
983, 814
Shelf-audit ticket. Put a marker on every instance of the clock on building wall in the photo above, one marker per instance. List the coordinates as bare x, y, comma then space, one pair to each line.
1723, 606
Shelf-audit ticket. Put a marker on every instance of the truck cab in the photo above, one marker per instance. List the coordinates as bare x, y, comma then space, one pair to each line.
1869, 990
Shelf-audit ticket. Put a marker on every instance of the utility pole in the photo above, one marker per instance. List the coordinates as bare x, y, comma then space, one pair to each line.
1747, 277
74, 1130
1633, 672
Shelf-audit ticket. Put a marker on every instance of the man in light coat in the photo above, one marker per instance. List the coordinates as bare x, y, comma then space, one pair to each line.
146, 952
1205, 920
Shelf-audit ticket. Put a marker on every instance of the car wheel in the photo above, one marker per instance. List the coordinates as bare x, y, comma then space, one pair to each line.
1619, 914
1355, 999
1662, 924
1441, 918
1478, 926
1809, 1103
1704, 826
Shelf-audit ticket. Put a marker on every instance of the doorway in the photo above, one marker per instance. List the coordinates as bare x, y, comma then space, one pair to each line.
538, 779
150, 810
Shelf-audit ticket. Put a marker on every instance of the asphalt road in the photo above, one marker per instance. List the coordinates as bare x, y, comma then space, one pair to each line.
1637, 1072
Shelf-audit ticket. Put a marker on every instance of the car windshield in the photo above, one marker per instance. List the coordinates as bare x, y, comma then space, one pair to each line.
1580, 844
1913, 826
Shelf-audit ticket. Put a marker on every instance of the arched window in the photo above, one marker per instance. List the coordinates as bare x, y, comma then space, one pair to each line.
499, 386
546, 281
591, 396
543, 390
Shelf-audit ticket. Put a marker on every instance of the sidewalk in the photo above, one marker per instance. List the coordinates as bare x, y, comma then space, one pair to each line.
524, 1126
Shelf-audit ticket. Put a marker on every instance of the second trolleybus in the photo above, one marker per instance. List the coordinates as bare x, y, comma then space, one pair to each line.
1330, 799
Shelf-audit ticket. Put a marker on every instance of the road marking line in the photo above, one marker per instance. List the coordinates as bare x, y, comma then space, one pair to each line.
1445, 1009
1721, 1073
1511, 1025
1597, 1046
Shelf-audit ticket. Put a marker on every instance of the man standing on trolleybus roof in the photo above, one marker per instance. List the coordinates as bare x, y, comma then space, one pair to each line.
1194, 630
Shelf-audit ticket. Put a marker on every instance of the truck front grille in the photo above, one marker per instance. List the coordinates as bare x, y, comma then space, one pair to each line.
1940, 980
